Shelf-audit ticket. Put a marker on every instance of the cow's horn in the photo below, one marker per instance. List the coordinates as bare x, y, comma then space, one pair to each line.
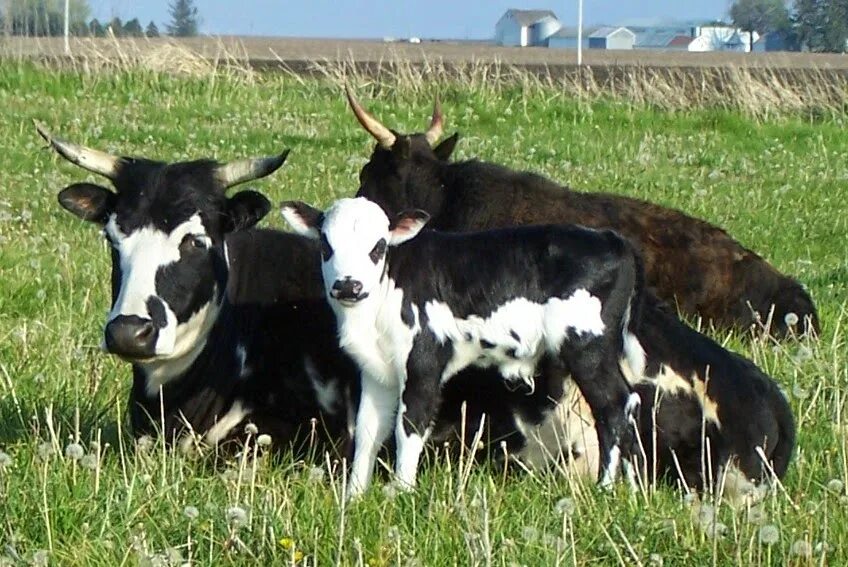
383, 135
434, 132
243, 170
93, 160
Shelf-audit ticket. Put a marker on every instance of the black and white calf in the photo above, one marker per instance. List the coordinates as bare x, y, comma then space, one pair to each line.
413, 312
223, 325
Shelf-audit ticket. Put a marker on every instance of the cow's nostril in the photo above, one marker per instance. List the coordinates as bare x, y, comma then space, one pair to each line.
145, 332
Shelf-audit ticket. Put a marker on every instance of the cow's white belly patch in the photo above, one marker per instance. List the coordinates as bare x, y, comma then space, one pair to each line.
516, 335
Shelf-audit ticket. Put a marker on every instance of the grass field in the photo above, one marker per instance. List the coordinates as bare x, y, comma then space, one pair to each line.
76, 490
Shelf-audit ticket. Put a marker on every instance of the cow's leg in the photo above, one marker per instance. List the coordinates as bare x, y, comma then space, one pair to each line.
377, 406
420, 398
597, 374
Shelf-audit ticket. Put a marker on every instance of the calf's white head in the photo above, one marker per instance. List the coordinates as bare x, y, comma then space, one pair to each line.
354, 235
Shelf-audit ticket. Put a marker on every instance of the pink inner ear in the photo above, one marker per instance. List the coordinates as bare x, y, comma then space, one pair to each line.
405, 226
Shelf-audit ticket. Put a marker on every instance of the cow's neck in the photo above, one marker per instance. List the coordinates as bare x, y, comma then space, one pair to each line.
372, 332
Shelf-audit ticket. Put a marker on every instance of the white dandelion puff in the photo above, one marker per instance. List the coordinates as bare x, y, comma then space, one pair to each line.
756, 515
565, 506
90, 461
40, 558
5, 460
835, 485
251, 429
191, 512
529, 533
791, 319
44, 451
144, 443
236, 516
393, 533
264, 440
799, 392
316, 474
656, 559
801, 548
390, 491
769, 534
74, 451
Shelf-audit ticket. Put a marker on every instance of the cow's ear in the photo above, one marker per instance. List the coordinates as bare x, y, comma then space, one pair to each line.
445, 148
246, 208
304, 219
406, 225
87, 201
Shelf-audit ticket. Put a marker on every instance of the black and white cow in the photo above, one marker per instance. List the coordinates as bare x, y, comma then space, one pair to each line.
413, 312
220, 331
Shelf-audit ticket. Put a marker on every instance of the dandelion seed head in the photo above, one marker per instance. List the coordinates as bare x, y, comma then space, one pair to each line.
191, 512
756, 515
529, 533
393, 533
791, 319
5, 460
144, 443
835, 485
263, 440
801, 548
236, 516
799, 392
40, 558
565, 506
90, 461
769, 534
44, 451
251, 429
822, 547
655, 559
74, 451
316, 474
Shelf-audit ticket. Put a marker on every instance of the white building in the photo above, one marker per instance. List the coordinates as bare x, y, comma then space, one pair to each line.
523, 28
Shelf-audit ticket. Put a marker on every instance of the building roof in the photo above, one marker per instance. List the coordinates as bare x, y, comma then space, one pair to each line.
680, 41
571, 32
530, 17
656, 38
606, 31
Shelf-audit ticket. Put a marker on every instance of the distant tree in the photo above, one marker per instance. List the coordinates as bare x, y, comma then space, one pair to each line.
95, 28
151, 30
821, 25
183, 18
117, 26
761, 16
43, 17
133, 28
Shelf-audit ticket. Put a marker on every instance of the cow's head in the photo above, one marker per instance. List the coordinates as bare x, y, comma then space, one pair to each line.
403, 171
354, 235
165, 225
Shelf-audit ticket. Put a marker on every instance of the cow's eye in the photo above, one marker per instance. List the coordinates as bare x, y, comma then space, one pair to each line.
326, 249
193, 242
377, 252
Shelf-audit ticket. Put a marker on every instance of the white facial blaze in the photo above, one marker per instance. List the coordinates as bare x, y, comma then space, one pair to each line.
141, 254
353, 227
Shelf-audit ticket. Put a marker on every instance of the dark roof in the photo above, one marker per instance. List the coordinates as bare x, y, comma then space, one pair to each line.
680, 41
530, 17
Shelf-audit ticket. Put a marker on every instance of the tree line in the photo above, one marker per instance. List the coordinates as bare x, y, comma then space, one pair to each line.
814, 25
43, 18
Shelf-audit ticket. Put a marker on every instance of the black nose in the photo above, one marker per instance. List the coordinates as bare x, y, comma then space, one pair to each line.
347, 289
130, 336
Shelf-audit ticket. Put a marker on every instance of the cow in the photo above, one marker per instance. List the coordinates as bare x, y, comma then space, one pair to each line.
690, 263
413, 309
219, 331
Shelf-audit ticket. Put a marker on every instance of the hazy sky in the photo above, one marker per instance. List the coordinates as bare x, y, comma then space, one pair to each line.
397, 18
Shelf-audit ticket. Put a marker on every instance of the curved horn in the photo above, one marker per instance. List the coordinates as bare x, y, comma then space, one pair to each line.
434, 131
244, 170
93, 160
383, 135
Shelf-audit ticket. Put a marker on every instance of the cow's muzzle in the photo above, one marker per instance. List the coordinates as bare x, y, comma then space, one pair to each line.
131, 337
348, 291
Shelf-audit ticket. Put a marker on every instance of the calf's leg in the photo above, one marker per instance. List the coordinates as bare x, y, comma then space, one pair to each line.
377, 406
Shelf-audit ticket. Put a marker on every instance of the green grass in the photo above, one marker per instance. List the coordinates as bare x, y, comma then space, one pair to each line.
778, 186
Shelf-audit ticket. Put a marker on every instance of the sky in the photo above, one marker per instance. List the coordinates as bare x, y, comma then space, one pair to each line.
439, 19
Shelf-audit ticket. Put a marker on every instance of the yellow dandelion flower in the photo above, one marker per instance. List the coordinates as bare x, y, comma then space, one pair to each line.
297, 556
286, 543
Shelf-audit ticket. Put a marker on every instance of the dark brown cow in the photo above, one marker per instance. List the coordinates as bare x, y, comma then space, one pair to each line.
689, 262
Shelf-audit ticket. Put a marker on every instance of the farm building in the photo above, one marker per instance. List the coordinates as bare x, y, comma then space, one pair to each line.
524, 28
774, 41
719, 38
664, 40
566, 38
608, 37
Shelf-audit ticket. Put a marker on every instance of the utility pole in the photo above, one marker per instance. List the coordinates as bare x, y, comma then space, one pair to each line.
67, 27
579, 32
